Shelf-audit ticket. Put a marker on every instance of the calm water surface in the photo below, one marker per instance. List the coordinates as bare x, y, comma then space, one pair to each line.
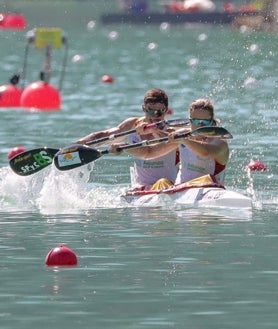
159, 267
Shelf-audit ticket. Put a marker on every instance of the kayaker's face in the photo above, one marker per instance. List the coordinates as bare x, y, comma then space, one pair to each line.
200, 118
155, 111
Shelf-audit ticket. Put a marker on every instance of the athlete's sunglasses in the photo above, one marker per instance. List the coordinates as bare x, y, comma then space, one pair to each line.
204, 122
155, 112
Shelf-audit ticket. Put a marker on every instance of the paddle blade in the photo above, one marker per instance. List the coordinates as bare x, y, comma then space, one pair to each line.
75, 156
30, 162
212, 131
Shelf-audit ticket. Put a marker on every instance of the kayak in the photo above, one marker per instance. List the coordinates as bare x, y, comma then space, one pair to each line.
204, 191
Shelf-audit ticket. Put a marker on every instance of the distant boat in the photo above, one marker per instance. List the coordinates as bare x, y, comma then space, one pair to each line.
174, 13
216, 17
12, 21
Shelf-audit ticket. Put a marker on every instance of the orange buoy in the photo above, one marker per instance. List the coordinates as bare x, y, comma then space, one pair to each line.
107, 78
61, 256
256, 165
10, 96
41, 95
15, 151
12, 21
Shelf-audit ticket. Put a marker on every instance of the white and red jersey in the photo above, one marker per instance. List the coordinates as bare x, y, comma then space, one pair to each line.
147, 172
192, 166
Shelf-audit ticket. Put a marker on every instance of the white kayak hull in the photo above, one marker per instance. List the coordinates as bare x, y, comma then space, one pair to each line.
192, 197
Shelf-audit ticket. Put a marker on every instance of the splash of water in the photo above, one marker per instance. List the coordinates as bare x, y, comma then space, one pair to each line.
51, 191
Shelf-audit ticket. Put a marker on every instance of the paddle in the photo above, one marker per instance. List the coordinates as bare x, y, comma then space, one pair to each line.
32, 161
79, 155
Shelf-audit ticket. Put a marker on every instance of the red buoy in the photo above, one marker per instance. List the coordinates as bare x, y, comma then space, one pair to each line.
12, 21
10, 96
61, 256
41, 95
169, 111
15, 151
256, 165
107, 78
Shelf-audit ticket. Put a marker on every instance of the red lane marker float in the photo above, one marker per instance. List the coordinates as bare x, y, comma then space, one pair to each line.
61, 256
256, 165
169, 111
41, 95
12, 21
15, 151
10, 96
107, 78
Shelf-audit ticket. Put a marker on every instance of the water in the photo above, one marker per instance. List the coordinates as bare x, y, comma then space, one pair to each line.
158, 267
